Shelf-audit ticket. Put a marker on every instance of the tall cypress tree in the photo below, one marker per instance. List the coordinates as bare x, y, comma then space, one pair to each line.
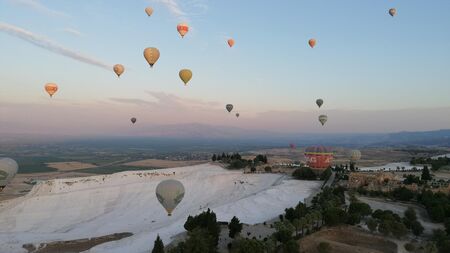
159, 246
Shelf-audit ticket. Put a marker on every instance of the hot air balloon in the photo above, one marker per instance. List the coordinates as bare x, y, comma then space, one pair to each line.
51, 88
318, 157
312, 43
231, 42
170, 193
323, 119
149, 11
185, 75
355, 155
8, 169
182, 29
229, 107
292, 145
151, 54
119, 69
237, 115
392, 12
319, 102
133, 120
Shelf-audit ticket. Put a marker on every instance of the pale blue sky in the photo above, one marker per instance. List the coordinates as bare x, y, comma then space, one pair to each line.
364, 59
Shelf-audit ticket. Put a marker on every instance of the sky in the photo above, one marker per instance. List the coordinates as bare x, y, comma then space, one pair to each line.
376, 73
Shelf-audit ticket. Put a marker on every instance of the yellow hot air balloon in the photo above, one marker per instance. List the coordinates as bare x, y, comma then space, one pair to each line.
182, 29
149, 11
51, 88
185, 75
119, 69
151, 54
231, 42
170, 193
355, 155
312, 43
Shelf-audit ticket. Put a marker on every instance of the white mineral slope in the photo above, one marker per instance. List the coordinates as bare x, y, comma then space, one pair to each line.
68, 209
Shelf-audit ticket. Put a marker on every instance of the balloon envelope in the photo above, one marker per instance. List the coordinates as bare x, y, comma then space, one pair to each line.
237, 115
312, 43
182, 29
149, 11
170, 193
231, 42
51, 88
292, 145
151, 54
8, 169
319, 102
133, 120
323, 119
185, 75
229, 107
119, 69
355, 155
392, 12
318, 157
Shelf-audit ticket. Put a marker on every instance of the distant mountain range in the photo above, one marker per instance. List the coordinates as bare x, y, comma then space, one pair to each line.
224, 134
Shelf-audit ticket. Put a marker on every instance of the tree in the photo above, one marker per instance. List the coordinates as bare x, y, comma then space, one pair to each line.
158, 246
324, 247
410, 214
245, 246
283, 232
359, 208
291, 247
199, 241
235, 227
425, 174
372, 224
268, 169
416, 228
214, 158
326, 174
334, 216
253, 169
304, 173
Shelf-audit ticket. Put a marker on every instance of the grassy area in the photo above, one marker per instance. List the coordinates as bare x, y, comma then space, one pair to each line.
112, 169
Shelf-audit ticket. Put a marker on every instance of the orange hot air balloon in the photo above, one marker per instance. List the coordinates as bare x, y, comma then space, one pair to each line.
119, 69
182, 29
312, 43
151, 54
51, 88
231, 42
149, 11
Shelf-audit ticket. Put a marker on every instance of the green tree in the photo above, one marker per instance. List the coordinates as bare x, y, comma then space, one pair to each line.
199, 241
291, 247
235, 227
304, 173
284, 231
214, 158
324, 247
410, 214
416, 228
247, 246
334, 216
425, 174
372, 224
158, 246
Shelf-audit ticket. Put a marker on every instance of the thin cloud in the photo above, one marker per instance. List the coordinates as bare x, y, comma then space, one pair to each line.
38, 6
45, 43
174, 8
73, 31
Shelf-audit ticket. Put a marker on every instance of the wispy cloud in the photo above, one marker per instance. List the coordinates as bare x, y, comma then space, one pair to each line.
38, 6
187, 9
45, 43
73, 31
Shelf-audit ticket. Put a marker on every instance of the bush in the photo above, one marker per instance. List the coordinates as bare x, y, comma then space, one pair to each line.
268, 169
304, 173
409, 247
324, 247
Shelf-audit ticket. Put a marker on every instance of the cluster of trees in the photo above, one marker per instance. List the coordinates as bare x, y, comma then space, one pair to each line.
435, 163
235, 160
306, 173
437, 204
388, 223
